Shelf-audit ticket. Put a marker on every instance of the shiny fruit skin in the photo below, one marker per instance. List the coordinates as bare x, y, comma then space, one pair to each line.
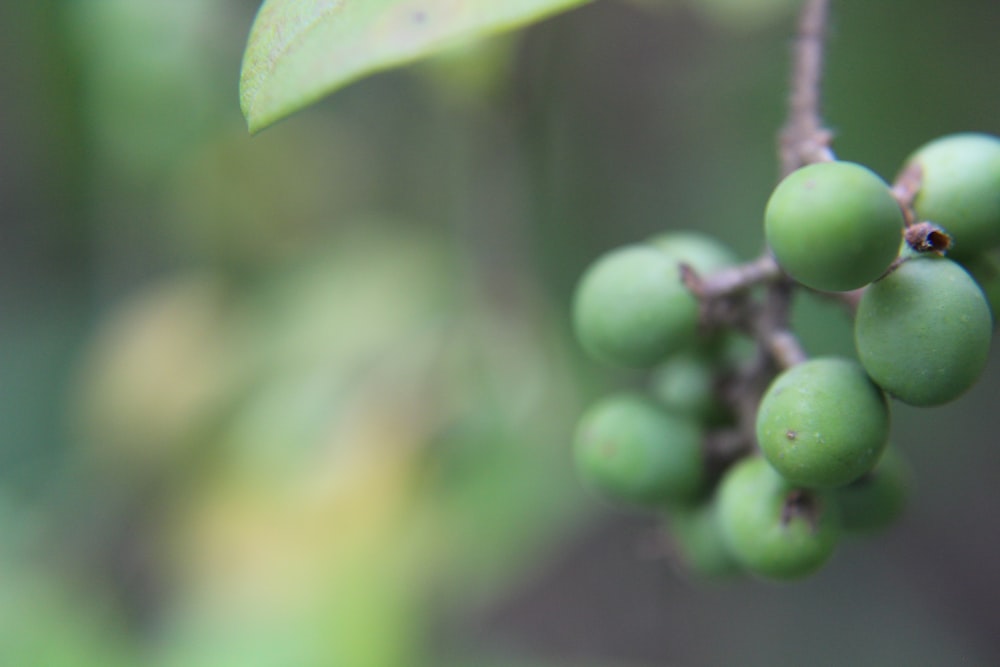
985, 270
823, 423
875, 501
702, 252
833, 225
923, 332
771, 527
632, 450
631, 308
686, 385
960, 189
699, 544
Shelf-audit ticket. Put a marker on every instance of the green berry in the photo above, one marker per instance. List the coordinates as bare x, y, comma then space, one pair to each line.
702, 252
632, 450
632, 309
985, 270
772, 527
923, 332
823, 423
833, 225
960, 189
875, 500
686, 384
698, 541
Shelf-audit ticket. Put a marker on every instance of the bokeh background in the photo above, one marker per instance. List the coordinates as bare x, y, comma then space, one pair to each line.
306, 399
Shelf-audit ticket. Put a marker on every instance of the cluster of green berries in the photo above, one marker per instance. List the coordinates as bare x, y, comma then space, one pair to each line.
816, 463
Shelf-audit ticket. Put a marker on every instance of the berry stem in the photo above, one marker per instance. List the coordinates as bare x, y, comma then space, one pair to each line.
725, 295
771, 327
743, 390
732, 280
905, 191
804, 139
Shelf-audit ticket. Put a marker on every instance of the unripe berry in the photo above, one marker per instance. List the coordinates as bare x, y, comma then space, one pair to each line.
833, 225
823, 423
702, 252
698, 541
632, 309
875, 500
923, 332
686, 385
632, 450
960, 189
986, 272
770, 526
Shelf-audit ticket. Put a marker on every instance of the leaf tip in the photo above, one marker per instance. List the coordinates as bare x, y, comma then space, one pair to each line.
255, 120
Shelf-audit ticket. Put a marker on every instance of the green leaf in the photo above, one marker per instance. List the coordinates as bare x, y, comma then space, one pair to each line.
300, 50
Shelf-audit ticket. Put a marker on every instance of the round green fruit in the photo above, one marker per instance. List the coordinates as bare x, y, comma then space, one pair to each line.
960, 189
631, 450
985, 270
923, 332
823, 423
770, 526
686, 384
702, 252
875, 500
698, 541
833, 225
632, 309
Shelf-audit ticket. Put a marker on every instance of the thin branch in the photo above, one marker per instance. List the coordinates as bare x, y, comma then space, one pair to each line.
771, 327
905, 190
732, 280
786, 349
804, 139
742, 391
725, 297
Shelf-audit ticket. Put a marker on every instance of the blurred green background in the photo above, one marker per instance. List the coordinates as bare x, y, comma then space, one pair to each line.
305, 399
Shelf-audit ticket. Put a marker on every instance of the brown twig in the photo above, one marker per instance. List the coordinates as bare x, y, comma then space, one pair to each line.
732, 280
804, 139
771, 327
726, 298
905, 190
742, 391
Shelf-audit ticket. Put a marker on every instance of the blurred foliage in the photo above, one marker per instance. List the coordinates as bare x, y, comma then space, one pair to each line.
301, 50
306, 399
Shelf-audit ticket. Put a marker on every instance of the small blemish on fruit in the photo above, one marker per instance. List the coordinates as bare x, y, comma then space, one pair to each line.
927, 237
801, 504
791, 435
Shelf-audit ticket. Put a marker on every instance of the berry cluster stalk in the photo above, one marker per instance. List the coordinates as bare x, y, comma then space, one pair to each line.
922, 329
804, 140
724, 295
